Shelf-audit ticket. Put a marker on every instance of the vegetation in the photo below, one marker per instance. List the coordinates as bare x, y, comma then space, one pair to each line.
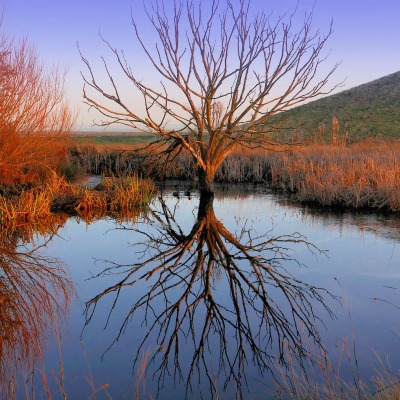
321, 380
317, 379
225, 73
361, 175
110, 140
35, 123
358, 175
35, 119
369, 110
35, 295
117, 197
227, 129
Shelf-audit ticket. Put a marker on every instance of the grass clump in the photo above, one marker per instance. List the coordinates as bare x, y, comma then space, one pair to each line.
118, 197
29, 206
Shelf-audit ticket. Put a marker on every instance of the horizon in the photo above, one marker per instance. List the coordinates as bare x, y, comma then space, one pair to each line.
364, 38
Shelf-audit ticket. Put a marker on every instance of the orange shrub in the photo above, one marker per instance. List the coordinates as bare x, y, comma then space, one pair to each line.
35, 119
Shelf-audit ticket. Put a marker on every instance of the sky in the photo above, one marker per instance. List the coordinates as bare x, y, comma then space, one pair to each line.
366, 37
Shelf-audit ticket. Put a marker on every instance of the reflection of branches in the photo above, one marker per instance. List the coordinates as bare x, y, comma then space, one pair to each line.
226, 294
34, 296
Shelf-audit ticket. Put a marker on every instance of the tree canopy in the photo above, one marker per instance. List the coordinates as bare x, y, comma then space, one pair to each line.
225, 75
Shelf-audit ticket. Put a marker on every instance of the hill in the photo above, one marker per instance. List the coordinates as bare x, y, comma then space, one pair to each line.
368, 110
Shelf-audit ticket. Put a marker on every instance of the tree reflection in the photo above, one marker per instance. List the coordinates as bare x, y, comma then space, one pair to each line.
214, 292
34, 297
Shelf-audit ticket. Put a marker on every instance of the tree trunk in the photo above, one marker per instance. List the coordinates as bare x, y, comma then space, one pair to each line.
205, 205
206, 182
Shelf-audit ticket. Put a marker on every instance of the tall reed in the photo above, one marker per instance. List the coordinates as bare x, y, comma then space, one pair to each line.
360, 175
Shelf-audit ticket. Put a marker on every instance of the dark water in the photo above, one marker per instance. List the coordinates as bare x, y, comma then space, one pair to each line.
330, 278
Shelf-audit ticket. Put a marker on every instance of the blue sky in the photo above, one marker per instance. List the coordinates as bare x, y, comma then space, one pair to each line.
366, 38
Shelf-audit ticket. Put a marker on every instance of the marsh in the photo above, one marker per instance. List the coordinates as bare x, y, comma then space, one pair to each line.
222, 297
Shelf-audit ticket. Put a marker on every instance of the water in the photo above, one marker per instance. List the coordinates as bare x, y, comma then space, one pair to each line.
339, 270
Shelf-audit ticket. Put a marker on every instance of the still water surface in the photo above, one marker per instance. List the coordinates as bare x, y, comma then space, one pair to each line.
345, 265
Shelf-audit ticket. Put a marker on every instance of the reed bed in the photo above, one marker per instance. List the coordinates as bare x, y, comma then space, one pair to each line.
123, 197
365, 175
359, 175
105, 160
117, 197
241, 166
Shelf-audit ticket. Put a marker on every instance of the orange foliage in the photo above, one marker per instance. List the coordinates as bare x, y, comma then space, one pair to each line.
35, 119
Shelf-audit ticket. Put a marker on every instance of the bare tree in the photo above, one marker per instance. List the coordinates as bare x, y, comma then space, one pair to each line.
225, 76
206, 290
35, 118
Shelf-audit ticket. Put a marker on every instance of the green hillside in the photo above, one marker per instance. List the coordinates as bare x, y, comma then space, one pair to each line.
368, 110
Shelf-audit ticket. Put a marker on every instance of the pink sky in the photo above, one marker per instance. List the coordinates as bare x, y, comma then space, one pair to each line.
366, 36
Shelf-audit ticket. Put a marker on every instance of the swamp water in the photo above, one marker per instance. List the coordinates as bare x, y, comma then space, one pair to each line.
198, 297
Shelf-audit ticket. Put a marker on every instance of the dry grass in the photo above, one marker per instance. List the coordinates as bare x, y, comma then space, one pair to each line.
118, 197
140, 381
360, 175
321, 380
29, 206
317, 379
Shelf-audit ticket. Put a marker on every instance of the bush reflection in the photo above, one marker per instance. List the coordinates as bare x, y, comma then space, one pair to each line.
35, 293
